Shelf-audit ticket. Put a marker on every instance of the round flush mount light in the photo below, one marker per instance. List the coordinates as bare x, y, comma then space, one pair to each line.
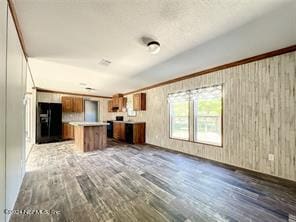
153, 47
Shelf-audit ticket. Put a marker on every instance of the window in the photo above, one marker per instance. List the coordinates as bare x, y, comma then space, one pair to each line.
129, 108
179, 116
208, 115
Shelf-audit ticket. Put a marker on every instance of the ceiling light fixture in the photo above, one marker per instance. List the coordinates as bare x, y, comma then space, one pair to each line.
153, 47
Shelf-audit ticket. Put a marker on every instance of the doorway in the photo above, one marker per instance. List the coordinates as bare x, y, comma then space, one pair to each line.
91, 111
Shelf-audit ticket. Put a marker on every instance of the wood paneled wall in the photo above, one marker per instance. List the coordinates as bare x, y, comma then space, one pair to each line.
259, 116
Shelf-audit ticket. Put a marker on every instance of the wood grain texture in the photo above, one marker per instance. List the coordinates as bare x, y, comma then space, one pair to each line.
259, 116
139, 101
78, 105
90, 138
145, 183
139, 133
67, 104
79, 137
68, 131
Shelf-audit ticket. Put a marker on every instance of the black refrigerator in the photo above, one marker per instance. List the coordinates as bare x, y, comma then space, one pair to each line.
49, 122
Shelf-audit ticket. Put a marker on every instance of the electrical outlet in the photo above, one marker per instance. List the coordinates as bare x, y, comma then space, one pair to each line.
271, 157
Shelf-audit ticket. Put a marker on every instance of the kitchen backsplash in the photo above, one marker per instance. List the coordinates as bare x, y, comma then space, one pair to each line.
72, 117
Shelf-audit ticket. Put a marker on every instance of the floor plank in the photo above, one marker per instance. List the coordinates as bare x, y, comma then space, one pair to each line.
143, 183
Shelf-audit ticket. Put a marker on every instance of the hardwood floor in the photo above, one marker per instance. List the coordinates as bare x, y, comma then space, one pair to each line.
144, 183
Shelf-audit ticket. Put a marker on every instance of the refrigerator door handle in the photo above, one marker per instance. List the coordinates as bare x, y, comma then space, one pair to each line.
49, 121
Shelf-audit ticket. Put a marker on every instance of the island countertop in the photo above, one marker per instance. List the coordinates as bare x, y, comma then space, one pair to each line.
89, 123
128, 122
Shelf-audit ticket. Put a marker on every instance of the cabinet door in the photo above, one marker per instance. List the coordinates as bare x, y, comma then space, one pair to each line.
110, 106
116, 131
122, 104
65, 131
136, 102
139, 131
71, 131
67, 104
115, 102
78, 105
139, 101
122, 131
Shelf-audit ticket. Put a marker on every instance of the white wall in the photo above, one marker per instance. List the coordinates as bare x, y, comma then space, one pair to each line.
13, 82
3, 16
15, 117
30, 115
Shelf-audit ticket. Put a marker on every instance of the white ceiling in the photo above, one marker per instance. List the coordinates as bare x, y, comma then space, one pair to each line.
66, 39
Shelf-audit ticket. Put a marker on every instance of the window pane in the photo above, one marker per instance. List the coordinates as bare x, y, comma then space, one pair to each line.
208, 120
179, 122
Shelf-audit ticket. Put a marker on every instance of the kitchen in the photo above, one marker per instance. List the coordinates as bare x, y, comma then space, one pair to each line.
128, 111
75, 112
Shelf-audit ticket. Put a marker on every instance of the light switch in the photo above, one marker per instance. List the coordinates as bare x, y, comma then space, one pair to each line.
271, 157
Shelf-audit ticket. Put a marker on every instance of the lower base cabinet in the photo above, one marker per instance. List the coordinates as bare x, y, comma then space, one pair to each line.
68, 131
135, 133
119, 131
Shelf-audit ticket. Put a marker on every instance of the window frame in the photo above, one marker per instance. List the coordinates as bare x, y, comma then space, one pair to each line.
129, 108
194, 122
170, 123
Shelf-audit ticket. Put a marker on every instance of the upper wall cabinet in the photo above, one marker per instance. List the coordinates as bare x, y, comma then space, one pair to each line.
115, 100
139, 101
117, 104
122, 104
67, 104
78, 106
72, 104
110, 106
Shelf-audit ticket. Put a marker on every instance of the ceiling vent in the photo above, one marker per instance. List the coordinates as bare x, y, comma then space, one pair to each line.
105, 62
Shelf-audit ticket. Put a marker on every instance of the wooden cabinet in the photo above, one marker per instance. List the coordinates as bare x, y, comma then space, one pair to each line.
139, 101
67, 103
139, 133
117, 104
68, 131
115, 100
116, 130
122, 132
72, 104
110, 106
135, 133
130, 132
78, 105
119, 131
122, 104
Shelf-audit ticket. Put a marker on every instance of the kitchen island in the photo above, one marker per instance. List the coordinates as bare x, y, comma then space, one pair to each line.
90, 136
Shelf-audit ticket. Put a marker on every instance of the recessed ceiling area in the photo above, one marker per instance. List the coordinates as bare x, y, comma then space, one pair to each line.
66, 41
